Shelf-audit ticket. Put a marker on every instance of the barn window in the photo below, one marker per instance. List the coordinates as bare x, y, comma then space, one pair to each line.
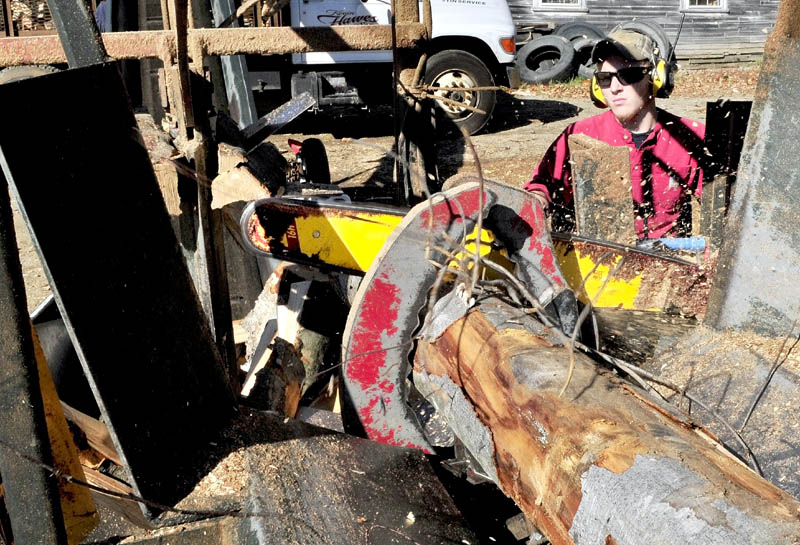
704, 5
557, 4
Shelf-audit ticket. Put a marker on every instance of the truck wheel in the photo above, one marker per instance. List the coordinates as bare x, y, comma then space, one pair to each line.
314, 160
456, 72
17, 73
576, 30
546, 59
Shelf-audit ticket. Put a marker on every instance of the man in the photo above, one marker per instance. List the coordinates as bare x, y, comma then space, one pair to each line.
665, 150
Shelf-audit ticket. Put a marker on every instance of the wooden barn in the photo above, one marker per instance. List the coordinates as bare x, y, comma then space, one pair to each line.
714, 31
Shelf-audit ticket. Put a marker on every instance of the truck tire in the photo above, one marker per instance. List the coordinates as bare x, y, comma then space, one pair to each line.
577, 30
17, 73
546, 59
583, 56
461, 70
651, 28
314, 159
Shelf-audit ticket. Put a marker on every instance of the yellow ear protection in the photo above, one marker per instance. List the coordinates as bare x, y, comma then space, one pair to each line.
660, 76
596, 94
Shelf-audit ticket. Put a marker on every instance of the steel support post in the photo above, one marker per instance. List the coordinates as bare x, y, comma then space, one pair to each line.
755, 284
241, 106
31, 491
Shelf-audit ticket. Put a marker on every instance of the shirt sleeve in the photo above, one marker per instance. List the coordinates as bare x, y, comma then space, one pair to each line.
552, 174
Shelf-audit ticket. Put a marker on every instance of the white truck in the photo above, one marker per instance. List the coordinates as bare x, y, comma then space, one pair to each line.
472, 47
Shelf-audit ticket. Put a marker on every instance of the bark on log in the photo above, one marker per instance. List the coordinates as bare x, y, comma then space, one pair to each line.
602, 464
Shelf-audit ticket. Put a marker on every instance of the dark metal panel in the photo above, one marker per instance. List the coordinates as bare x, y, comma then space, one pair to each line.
726, 124
31, 492
78, 32
89, 195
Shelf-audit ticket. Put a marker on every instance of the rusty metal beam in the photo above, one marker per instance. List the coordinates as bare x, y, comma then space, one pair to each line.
160, 44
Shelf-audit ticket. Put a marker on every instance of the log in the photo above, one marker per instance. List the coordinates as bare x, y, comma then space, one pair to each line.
604, 463
602, 184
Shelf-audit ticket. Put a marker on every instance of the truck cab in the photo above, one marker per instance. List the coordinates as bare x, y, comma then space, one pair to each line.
472, 47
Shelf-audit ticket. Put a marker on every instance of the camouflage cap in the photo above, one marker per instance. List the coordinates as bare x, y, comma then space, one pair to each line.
628, 44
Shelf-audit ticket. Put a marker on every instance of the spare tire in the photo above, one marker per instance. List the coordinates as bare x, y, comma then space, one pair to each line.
314, 160
577, 30
546, 59
651, 28
583, 56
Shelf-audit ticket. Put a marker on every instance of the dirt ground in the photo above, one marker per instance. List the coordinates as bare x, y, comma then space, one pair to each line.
523, 126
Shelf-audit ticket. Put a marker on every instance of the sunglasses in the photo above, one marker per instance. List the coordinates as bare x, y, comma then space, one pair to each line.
626, 76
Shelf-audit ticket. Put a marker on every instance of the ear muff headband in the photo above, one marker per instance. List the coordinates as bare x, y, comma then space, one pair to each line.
661, 77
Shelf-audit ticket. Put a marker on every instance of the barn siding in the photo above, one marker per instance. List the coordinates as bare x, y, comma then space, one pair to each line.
742, 29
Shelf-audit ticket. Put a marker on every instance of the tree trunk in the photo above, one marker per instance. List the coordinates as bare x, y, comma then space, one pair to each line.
604, 463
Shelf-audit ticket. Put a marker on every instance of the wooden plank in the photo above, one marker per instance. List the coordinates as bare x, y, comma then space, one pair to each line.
743, 21
601, 182
126, 508
96, 433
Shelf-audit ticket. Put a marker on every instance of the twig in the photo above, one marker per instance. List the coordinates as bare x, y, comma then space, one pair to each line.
592, 271
427, 87
238, 13
398, 532
523, 290
775, 365
682, 391
584, 313
452, 102
479, 225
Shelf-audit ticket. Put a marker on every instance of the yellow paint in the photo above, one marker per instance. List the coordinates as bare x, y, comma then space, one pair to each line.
351, 241
77, 505
618, 293
487, 238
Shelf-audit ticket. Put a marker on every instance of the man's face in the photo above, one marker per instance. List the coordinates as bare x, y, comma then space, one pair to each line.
626, 101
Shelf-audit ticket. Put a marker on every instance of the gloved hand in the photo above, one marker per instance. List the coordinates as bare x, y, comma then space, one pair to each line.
541, 199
